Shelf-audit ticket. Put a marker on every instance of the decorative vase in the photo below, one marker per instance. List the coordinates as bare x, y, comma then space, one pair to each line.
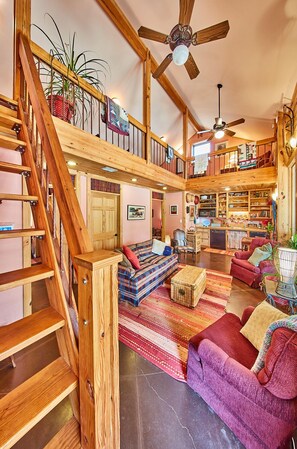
60, 107
286, 265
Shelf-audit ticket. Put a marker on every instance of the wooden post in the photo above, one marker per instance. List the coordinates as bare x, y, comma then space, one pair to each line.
98, 349
22, 23
185, 139
147, 104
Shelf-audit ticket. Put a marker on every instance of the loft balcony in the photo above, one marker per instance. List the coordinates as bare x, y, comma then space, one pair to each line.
86, 139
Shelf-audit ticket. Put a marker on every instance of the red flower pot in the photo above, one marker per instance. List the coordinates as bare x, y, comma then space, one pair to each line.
60, 107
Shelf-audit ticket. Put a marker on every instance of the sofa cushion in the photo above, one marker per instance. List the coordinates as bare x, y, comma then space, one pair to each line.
125, 262
256, 326
225, 334
132, 257
281, 358
261, 253
158, 247
245, 264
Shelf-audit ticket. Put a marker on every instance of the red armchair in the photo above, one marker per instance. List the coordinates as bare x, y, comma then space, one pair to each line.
245, 271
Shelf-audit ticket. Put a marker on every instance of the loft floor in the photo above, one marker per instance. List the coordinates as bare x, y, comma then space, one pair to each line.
156, 410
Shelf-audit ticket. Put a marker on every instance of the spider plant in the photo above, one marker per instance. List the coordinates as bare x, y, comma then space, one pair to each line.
89, 69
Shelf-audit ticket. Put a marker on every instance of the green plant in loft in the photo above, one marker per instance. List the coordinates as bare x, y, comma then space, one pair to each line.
292, 242
69, 95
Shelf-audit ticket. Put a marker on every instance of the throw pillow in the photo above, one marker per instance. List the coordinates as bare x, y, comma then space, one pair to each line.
167, 251
158, 247
261, 253
125, 262
256, 326
132, 257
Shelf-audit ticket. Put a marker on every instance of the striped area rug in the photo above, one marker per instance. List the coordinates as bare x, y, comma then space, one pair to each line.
159, 329
219, 251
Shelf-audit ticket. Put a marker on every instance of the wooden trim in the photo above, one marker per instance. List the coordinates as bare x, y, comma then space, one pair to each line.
26, 242
147, 104
185, 138
116, 15
22, 25
76, 232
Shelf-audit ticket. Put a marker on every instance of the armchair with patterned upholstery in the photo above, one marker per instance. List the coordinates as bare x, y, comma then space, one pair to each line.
243, 270
180, 244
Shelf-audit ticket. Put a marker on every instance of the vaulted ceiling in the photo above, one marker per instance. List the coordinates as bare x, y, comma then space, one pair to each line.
256, 62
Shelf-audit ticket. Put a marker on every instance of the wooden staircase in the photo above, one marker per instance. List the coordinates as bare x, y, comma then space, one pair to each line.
28, 403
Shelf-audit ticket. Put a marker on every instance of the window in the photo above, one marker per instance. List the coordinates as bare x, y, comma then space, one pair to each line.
200, 148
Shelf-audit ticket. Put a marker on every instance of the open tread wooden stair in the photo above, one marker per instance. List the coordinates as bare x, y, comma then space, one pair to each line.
14, 168
24, 276
10, 143
21, 233
22, 333
67, 438
16, 197
10, 122
27, 404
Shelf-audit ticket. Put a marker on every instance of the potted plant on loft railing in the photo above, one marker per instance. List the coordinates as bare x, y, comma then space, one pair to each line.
66, 98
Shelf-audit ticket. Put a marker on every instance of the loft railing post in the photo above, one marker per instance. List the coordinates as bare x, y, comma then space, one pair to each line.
147, 105
98, 349
185, 138
22, 25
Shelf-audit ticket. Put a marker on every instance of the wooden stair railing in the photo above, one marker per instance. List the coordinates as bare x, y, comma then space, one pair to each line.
97, 407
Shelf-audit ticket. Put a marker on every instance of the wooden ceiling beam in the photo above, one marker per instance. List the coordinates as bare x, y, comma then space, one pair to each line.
116, 15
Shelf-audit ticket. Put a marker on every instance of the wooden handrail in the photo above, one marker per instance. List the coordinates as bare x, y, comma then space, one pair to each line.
164, 144
75, 79
75, 229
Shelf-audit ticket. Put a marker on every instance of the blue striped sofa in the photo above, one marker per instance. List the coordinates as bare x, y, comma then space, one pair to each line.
135, 285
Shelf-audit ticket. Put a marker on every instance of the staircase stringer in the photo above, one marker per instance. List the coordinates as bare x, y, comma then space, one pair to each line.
66, 338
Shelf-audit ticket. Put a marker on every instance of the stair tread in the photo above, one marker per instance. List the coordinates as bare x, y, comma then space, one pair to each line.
21, 233
24, 332
8, 120
27, 404
9, 100
7, 110
67, 438
14, 168
24, 276
11, 143
17, 197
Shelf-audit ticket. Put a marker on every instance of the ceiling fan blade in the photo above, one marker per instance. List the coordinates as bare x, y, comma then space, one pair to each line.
153, 35
163, 66
204, 131
211, 137
215, 32
191, 67
185, 11
236, 122
228, 132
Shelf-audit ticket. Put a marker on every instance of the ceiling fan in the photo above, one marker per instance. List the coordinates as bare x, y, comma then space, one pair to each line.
181, 37
220, 128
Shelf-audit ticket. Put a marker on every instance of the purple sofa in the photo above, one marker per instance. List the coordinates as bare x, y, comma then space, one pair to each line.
245, 271
260, 409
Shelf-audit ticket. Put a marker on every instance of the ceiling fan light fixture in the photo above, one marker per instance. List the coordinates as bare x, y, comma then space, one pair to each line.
293, 142
219, 134
180, 54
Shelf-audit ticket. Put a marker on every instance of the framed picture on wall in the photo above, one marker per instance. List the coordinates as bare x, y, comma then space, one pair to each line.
192, 212
174, 210
220, 146
135, 212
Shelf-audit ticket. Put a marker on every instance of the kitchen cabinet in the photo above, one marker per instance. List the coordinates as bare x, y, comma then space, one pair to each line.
222, 205
238, 204
203, 234
208, 205
260, 209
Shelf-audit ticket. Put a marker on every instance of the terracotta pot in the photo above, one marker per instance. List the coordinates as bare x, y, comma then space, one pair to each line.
60, 107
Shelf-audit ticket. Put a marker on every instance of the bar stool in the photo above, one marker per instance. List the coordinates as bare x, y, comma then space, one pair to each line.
245, 243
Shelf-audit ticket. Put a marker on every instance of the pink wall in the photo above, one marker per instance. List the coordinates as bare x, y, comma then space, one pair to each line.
11, 301
135, 230
173, 221
157, 218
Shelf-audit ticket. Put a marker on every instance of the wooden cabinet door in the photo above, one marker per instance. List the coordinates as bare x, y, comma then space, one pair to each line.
104, 220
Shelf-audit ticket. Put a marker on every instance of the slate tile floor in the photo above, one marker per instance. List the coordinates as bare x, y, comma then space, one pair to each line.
157, 412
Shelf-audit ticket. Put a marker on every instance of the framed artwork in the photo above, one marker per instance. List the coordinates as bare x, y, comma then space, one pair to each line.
220, 146
135, 212
174, 209
192, 212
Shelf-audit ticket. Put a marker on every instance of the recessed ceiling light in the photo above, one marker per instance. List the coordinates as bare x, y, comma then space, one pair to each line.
134, 179
227, 188
71, 163
165, 188
160, 184
109, 169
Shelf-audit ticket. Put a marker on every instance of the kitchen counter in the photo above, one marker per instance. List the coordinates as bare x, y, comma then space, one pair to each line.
233, 235
232, 228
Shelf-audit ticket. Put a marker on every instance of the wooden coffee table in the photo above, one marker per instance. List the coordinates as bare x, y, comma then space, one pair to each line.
188, 285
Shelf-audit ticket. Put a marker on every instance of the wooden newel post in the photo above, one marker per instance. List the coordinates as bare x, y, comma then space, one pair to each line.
99, 349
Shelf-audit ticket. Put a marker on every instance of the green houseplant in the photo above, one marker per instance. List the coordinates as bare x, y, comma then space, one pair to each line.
64, 97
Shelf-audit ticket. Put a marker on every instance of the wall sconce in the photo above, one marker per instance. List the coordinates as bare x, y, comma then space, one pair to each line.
290, 125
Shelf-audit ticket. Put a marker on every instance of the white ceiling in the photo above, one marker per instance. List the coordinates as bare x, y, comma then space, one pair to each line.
256, 62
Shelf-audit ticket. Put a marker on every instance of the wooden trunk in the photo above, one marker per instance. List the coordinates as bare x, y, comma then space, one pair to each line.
188, 285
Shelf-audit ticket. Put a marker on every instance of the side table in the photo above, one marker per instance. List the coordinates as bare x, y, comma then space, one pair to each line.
286, 305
